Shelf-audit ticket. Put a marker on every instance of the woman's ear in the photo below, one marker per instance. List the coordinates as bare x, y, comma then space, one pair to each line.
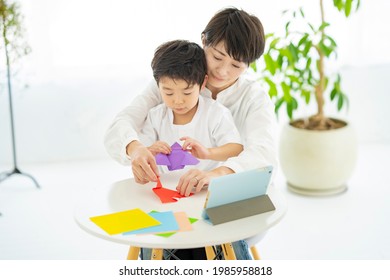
204, 82
203, 40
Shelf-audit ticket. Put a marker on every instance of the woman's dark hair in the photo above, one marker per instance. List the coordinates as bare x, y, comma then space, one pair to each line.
180, 59
243, 34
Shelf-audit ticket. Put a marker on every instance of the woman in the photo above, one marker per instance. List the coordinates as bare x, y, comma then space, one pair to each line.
231, 41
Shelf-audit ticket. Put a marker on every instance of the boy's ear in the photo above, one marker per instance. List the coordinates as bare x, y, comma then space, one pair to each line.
204, 82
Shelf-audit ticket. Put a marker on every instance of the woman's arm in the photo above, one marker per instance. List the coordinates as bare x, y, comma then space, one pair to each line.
122, 137
258, 132
259, 135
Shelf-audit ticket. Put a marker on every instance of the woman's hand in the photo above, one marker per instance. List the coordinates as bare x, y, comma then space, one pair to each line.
196, 148
160, 147
143, 163
195, 180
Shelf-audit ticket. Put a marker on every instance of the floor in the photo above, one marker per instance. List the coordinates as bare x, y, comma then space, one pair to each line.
38, 223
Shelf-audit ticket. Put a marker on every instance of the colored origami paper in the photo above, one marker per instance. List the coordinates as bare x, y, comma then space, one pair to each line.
168, 223
166, 195
169, 234
177, 159
124, 221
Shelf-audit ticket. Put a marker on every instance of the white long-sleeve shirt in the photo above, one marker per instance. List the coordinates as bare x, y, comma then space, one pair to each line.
212, 125
251, 108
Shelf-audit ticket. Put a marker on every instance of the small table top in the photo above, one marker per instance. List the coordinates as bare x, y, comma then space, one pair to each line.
127, 194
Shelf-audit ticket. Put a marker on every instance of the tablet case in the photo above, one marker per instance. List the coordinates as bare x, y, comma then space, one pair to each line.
238, 195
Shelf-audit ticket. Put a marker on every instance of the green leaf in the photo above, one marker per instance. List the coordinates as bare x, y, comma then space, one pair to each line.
325, 50
338, 4
286, 27
308, 46
323, 26
338, 79
291, 107
333, 94
253, 65
326, 83
294, 52
278, 103
286, 92
273, 43
311, 27
306, 94
294, 103
272, 87
340, 102
308, 63
279, 61
303, 39
286, 53
294, 79
301, 11
270, 64
331, 40
348, 7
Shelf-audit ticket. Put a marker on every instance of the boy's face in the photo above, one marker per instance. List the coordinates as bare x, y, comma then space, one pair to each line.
178, 95
222, 69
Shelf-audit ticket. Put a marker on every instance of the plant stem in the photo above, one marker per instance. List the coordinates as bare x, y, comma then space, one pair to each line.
4, 35
319, 89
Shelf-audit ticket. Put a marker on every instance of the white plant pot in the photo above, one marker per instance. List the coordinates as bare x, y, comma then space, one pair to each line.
318, 162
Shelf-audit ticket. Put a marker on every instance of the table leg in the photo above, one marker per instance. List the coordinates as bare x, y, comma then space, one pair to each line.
133, 253
157, 254
255, 254
228, 251
210, 252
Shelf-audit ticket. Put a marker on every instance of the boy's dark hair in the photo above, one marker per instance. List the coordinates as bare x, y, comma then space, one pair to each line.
242, 33
180, 59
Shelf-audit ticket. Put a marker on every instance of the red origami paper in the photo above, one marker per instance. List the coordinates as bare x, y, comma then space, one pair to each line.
166, 195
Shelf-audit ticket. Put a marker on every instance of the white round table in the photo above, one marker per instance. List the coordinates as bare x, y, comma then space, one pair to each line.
127, 194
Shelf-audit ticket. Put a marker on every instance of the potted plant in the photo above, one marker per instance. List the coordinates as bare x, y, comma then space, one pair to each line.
14, 46
317, 153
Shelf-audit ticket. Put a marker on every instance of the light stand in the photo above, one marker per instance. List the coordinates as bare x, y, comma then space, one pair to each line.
15, 171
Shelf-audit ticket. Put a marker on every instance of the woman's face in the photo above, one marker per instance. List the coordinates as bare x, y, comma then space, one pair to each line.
222, 69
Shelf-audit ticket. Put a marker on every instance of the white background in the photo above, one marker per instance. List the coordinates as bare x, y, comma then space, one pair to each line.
91, 57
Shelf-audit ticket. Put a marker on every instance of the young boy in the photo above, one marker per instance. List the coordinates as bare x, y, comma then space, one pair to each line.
179, 68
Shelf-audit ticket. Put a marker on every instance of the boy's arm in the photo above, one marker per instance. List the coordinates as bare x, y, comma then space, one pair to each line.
220, 153
226, 151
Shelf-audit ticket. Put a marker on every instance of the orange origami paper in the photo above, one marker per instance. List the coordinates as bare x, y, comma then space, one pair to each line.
166, 195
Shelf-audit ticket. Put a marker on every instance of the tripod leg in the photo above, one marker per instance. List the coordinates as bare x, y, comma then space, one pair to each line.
4, 175
32, 178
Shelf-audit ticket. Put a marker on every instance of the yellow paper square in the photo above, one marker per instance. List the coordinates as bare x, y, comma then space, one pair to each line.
124, 221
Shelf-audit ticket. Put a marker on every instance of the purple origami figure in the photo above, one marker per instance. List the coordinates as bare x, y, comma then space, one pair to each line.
177, 159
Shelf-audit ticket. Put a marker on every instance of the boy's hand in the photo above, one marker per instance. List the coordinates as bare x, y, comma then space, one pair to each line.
196, 148
160, 147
